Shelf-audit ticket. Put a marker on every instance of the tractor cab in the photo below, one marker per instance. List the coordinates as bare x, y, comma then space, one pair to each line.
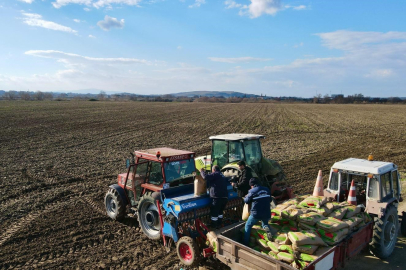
156, 169
377, 183
228, 149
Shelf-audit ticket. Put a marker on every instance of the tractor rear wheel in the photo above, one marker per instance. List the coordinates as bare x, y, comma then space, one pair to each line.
148, 217
403, 224
385, 233
188, 251
115, 207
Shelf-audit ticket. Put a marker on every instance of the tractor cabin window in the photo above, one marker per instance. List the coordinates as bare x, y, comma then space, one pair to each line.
252, 152
236, 152
373, 190
334, 181
155, 174
219, 153
386, 185
179, 170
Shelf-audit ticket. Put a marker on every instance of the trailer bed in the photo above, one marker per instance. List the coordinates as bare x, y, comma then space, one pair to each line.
240, 257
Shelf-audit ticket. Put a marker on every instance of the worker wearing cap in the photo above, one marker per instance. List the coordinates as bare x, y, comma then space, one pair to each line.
218, 194
260, 199
242, 182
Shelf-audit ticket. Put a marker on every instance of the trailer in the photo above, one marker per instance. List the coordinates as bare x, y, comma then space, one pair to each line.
237, 256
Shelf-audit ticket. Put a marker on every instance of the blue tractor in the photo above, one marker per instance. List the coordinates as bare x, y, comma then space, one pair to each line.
158, 189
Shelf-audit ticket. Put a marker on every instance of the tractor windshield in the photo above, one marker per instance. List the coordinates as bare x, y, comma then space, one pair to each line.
253, 152
179, 169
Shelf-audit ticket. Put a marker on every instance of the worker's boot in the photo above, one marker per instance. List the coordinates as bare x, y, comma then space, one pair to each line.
268, 233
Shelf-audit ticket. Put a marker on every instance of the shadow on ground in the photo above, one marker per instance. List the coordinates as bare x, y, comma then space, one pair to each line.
366, 261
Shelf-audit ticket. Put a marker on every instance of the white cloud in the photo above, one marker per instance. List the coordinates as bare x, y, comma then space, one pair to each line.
61, 3
33, 19
179, 47
197, 3
76, 20
27, 1
110, 22
380, 73
71, 58
238, 59
258, 8
86, 9
91, 36
95, 3
298, 45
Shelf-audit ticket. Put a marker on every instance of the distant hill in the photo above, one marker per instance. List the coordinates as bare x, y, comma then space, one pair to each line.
225, 94
2, 92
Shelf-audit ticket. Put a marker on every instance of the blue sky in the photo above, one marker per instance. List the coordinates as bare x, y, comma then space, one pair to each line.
278, 48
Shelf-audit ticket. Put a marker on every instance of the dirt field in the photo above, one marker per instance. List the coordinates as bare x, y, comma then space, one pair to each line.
58, 158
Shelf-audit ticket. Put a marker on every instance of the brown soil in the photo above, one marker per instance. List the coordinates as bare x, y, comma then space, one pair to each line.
58, 158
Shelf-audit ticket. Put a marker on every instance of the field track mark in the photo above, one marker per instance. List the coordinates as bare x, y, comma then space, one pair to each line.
28, 219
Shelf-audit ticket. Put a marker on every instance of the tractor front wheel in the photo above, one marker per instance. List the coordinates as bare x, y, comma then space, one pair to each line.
148, 217
385, 233
188, 251
115, 207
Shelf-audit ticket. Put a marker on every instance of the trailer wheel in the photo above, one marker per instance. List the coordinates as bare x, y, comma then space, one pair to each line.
385, 233
188, 251
403, 224
148, 217
115, 207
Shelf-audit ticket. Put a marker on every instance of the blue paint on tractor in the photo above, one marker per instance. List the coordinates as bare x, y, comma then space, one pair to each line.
181, 201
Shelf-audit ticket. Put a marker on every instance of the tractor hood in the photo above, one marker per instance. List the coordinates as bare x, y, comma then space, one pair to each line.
181, 199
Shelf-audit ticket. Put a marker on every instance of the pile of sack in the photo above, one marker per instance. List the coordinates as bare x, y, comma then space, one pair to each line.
306, 226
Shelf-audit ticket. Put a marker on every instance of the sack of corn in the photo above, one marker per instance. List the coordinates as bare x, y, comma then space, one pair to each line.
273, 246
310, 218
275, 226
286, 248
307, 227
279, 220
331, 224
338, 213
314, 202
286, 257
307, 249
332, 238
273, 255
353, 222
263, 243
282, 239
307, 257
305, 238
323, 211
332, 205
352, 210
291, 213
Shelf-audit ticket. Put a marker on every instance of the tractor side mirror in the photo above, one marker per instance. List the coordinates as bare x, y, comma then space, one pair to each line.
127, 163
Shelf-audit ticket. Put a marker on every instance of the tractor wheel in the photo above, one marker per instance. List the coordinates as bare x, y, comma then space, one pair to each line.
188, 251
148, 217
385, 233
403, 224
115, 207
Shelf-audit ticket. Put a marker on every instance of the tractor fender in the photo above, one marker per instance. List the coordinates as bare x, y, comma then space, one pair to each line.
379, 208
120, 191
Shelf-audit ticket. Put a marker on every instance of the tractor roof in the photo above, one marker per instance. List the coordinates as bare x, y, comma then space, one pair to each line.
236, 137
364, 166
165, 152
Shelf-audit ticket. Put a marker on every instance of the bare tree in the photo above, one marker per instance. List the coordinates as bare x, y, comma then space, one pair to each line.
101, 95
11, 95
39, 95
25, 95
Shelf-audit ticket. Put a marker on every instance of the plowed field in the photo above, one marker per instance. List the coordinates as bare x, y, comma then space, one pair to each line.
58, 158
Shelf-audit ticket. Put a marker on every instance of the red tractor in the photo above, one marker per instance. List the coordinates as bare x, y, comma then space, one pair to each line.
139, 188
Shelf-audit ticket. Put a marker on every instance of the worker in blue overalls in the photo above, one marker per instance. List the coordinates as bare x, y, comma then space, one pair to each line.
217, 183
260, 199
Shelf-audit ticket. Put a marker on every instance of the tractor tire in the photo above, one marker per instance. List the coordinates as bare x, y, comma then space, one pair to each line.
403, 224
188, 251
115, 207
148, 217
385, 233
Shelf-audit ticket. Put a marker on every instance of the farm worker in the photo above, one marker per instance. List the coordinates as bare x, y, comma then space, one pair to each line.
260, 199
242, 183
217, 183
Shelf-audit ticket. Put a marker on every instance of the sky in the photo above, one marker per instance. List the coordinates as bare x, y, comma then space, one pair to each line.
272, 47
